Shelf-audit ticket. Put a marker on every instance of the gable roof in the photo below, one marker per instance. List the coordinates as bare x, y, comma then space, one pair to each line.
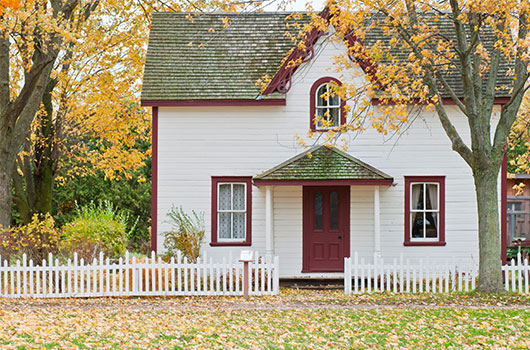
325, 163
201, 59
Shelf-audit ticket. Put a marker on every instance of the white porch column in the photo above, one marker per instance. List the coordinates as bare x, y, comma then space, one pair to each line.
269, 224
377, 222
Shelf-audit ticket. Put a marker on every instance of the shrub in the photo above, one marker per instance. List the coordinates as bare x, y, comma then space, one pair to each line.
97, 228
35, 239
187, 233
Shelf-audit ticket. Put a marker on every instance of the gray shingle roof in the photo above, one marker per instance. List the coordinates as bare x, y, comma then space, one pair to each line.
226, 65
186, 60
324, 164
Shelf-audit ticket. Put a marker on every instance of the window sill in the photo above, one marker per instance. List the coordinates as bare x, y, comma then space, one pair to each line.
230, 244
420, 244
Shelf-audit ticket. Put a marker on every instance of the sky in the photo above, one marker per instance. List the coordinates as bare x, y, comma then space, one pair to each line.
299, 5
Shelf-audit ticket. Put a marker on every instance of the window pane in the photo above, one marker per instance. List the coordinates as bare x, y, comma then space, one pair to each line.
333, 98
431, 225
416, 202
319, 117
334, 210
225, 225
239, 197
416, 225
334, 117
225, 197
318, 211
432, 196
239, 225
321, 101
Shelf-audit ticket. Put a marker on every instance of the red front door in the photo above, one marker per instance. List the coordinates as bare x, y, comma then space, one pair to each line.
326, 242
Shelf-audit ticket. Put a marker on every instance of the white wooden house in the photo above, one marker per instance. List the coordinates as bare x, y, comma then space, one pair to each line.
223, 148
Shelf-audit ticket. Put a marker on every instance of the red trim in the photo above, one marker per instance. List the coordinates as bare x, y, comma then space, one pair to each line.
240, 179
323, 182
154, 179
441, 226
312, 102
445, 101
504, 209
281, 82
206, 103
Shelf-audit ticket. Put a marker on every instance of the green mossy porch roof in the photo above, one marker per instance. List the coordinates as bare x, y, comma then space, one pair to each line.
324, 164
204, 60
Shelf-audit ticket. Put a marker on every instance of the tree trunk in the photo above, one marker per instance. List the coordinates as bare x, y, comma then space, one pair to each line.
490, 274
5, 196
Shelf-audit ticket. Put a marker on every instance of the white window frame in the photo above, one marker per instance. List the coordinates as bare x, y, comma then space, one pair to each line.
424, 211
327, 106
232, 211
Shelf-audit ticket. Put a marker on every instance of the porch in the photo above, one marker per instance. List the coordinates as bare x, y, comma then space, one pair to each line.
319, 194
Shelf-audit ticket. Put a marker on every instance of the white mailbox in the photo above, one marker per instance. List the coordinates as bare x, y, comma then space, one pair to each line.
246, 256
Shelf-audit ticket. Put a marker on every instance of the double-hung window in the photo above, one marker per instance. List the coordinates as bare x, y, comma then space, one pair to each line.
424, 210
231, 207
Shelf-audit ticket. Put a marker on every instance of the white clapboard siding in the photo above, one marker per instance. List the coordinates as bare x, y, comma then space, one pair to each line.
133, 277
405, 275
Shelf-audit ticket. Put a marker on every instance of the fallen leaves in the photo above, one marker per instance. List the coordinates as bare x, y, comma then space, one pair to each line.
295, 319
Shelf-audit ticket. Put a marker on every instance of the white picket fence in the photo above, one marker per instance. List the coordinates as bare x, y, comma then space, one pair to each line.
516, 275
425, 275
134, 277
407, 275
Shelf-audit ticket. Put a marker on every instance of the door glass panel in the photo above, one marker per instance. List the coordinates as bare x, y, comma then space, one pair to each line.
318, 211
334, 210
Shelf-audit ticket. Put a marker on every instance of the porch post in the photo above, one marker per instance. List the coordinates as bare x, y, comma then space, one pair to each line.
269, 228
377, 223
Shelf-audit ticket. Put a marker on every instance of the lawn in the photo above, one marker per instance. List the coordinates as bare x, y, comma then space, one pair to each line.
295, 320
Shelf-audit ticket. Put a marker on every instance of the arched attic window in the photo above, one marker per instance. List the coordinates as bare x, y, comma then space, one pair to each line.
326, 107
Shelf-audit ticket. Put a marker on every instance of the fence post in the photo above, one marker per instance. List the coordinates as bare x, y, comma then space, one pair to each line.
276, 289
347, 276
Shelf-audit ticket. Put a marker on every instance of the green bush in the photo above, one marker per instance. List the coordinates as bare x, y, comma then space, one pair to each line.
97, 228
36, 239
187, 233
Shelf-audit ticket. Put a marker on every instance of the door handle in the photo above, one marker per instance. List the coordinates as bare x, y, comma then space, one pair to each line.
340, 237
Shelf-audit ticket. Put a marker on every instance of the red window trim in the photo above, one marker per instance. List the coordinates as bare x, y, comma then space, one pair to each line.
441, 227
240, 179
312, 107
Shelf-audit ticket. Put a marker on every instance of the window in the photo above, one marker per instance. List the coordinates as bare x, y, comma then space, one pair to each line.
326, 107
231, 211
424, 210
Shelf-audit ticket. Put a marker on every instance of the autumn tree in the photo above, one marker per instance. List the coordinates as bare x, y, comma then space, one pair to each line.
457, 53
89, 118
31, 38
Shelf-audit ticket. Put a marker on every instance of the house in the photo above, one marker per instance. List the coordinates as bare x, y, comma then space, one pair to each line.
222, 147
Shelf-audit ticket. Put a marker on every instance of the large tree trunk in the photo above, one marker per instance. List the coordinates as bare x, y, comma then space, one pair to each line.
490, 274
5, 196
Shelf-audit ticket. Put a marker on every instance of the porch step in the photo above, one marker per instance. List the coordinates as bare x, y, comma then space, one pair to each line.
313, 284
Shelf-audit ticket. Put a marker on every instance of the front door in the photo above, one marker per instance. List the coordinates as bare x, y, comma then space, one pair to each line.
326, 226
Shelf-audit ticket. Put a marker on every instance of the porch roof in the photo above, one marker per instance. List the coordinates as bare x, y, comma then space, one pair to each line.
323, 165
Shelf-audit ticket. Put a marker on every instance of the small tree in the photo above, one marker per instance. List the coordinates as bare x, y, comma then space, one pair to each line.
186, 235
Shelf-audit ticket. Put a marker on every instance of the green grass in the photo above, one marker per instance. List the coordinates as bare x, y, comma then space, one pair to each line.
294, 320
